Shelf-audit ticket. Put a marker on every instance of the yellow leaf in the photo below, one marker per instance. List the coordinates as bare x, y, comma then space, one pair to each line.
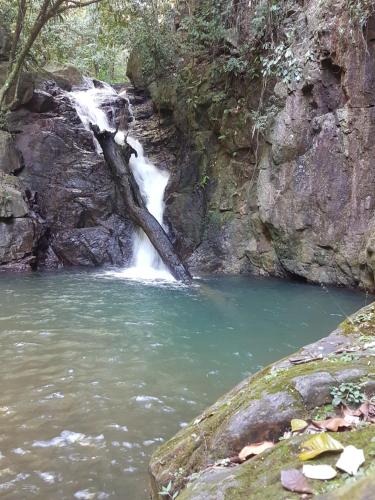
318, 444
298, 424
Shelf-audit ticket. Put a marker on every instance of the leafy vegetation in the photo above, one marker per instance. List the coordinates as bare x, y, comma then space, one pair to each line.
359, 11
348, 394
167, 491
28, 19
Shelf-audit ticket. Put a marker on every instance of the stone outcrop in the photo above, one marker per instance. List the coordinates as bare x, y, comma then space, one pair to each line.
287, 190
61, 206
66, 76
261, 408
18, 231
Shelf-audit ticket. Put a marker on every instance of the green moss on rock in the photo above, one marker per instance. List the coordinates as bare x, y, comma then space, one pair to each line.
261, 407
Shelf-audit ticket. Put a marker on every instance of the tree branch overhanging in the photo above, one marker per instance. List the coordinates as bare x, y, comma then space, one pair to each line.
20, 50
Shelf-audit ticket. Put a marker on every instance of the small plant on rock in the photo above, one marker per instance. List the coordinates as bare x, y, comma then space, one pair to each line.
347, 393
166, 491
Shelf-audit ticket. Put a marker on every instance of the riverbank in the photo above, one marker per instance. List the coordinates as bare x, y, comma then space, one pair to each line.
197, 461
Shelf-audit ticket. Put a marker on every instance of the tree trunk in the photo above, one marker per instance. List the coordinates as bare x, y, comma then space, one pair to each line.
117, 158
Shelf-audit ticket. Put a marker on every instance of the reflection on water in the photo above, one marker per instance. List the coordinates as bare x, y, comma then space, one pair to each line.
97, 371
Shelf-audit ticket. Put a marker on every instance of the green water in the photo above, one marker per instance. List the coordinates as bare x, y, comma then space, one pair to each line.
97, 371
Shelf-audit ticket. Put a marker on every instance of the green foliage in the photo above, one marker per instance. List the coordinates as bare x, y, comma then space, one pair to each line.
152, 38
347, 393
88, 40
236, 65
360, 11
203, 181
205, 30
166, 491
262, 119
282, 63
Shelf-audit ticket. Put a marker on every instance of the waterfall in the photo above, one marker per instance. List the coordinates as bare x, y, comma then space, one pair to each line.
152, 182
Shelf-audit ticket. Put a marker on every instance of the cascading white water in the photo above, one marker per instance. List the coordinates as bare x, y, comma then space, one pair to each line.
147, 264
152, 183
88, 106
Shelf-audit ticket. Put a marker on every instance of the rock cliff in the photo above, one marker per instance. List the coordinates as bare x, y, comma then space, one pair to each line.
280, 173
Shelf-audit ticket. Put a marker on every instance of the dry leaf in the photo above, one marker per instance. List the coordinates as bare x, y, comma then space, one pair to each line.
367, 410
319, 471
332, 424
298, 424
346, 411
294, 480
320, 443
254, 449
350, 460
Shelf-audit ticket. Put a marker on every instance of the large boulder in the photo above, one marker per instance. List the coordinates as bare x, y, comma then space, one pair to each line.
135, 72
19, 230
17, 238
22, 92
259, 478
66, 76
70, 188
261, 408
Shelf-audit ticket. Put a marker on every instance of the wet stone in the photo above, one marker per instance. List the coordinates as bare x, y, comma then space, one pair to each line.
314, 388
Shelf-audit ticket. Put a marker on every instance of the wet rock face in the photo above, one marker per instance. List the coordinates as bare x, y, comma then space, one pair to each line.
297, 200
10, 160
64, 189
17, 230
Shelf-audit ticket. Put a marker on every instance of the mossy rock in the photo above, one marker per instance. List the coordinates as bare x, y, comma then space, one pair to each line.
259, 478
163, 94
65, 75
261, 407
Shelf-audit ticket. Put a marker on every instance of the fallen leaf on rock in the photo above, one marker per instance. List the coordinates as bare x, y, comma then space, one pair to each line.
346, 411
320, 443
332, 424
294, 480
367, 410
298, 425
254, 449
350, 460
319, 471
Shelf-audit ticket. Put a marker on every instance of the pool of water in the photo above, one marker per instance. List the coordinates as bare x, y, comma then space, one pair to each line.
97, 371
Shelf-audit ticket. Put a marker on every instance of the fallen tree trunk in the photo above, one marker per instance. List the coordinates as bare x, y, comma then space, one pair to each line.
117, 158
